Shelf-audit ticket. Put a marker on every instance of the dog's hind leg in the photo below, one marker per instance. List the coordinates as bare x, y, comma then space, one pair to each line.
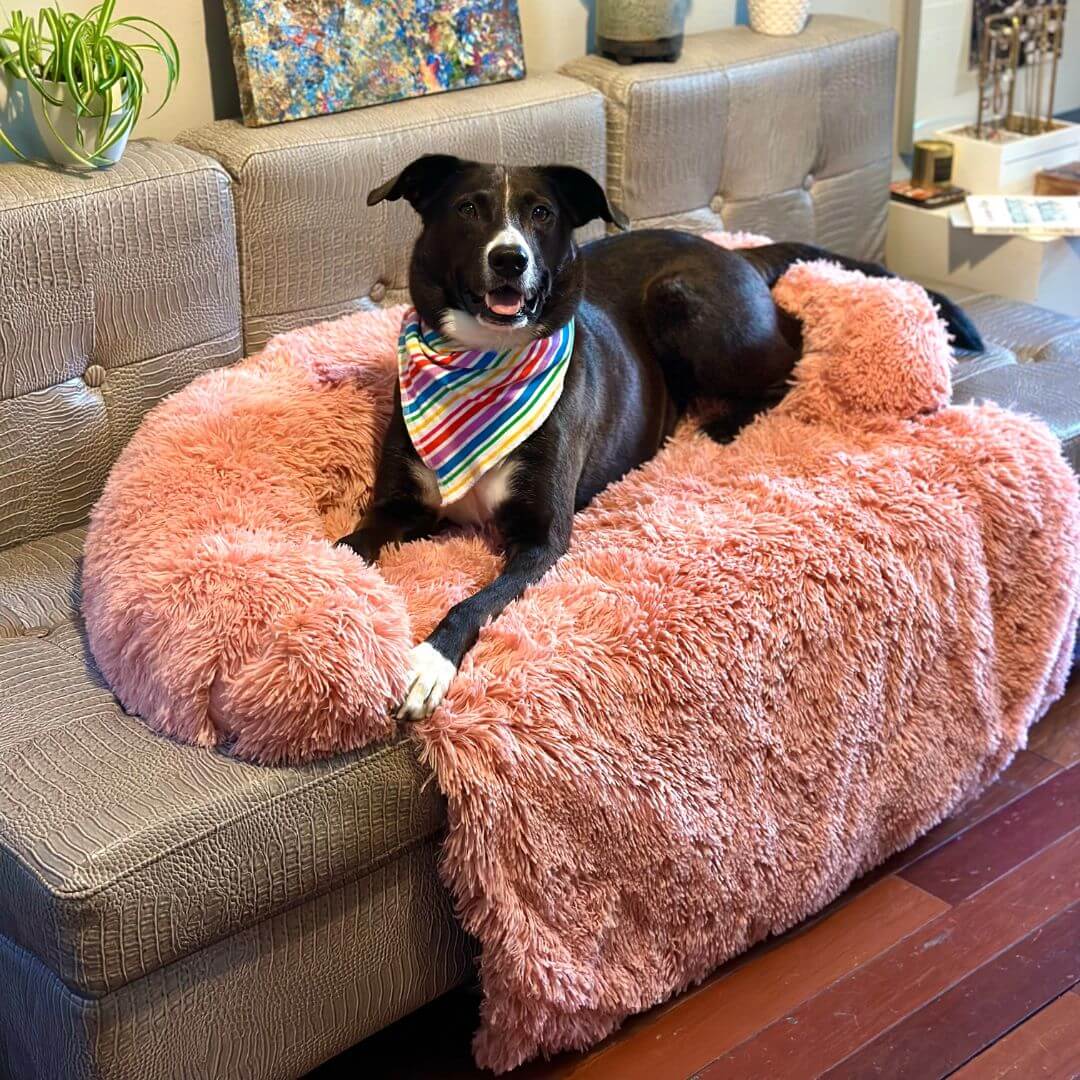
773, 260
738, 412
719, 336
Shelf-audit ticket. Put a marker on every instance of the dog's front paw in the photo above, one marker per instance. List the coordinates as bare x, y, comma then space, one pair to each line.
430, 675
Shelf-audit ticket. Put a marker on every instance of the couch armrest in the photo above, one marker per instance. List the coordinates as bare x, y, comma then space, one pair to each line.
311, 248
117, 288
790, 136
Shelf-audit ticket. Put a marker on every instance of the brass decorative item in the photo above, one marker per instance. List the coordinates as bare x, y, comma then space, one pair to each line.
1022, 44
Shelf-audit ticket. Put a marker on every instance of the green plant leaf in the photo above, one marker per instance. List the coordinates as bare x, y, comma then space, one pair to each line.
91, 65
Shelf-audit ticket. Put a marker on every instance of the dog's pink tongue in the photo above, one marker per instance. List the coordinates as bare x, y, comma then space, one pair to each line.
505, 301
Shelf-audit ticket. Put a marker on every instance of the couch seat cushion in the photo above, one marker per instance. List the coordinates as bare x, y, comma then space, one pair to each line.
121, 851
1032, 365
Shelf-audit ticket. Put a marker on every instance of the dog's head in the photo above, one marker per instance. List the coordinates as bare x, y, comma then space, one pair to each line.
495, 262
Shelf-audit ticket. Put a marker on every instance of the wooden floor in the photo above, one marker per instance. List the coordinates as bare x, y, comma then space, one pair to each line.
961, 956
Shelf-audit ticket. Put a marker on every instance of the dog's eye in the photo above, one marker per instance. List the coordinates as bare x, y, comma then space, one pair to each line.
467, 209
541, 213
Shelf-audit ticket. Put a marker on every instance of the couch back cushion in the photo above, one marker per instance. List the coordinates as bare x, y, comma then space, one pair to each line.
117, 288
310, 246
787, 136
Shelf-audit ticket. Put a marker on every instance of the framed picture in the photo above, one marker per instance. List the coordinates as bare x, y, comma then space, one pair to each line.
297, 58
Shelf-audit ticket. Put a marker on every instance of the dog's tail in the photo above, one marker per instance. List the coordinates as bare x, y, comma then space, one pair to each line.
773, 259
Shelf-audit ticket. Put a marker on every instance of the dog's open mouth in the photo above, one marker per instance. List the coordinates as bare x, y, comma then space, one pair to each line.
505, 305
505, 301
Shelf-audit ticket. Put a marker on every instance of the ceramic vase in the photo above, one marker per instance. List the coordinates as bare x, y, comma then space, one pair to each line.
58, 125
629, 30
780, 18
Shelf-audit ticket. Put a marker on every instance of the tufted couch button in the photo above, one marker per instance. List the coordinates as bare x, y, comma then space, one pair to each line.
378, 292
808, 181
94, 375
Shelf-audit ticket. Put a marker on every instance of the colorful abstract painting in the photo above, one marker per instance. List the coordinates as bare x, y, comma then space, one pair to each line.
297, 58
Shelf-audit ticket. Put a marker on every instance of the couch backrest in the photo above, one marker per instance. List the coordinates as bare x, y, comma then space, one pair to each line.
310, 246
788, 136
116, 288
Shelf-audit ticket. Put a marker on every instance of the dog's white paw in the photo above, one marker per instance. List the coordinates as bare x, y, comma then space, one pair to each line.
430, 675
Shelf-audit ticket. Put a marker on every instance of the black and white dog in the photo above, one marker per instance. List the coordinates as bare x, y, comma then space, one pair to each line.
662, 317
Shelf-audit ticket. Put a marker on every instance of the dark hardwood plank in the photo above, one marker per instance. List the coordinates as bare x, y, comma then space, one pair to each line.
823, 1031
702, 1025
1005, 839
1047, 1045
978, 1010
1057, 735
1026, 771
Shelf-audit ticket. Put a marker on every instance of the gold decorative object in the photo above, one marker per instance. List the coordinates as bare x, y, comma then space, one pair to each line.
1022, 44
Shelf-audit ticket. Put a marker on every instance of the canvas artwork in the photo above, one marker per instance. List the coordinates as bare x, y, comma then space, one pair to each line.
297, 58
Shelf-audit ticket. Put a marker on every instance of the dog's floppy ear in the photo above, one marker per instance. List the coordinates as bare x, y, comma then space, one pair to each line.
419, 182
582, 196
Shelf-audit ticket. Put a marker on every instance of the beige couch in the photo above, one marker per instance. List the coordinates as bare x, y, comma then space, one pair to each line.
169, 912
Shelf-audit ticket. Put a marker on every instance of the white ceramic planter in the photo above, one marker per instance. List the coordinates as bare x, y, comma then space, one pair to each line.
781, 18
58, 124
17, 119
1009, 168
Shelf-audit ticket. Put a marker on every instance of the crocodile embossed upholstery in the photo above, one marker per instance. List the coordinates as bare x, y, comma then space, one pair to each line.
1033, 366
161, 904
787, 136
165, 911
148, 850
268, 1003
311, 248
115, 289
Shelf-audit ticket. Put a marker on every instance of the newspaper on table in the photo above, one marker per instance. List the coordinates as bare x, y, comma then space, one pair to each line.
1026, 215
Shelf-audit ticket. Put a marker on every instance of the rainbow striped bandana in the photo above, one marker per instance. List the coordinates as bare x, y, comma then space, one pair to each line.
467, 409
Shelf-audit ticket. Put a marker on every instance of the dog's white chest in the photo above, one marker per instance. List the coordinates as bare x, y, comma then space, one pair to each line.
479, 504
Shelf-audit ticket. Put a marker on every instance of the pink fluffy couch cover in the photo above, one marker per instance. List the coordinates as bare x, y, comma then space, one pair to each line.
760, 670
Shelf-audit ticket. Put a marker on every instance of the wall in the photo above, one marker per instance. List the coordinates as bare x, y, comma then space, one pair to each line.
554, 31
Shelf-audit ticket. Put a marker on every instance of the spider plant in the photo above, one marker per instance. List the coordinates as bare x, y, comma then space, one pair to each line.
90, 67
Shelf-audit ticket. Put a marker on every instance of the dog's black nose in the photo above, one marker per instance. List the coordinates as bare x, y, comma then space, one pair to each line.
508, 260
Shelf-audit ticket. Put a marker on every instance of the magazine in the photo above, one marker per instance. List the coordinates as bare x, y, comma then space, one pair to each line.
1053, 215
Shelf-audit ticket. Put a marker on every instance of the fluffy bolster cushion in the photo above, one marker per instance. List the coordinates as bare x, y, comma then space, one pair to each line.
760, 669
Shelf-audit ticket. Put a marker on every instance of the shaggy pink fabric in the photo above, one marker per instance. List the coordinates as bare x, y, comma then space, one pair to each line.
215, 605
760, 670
